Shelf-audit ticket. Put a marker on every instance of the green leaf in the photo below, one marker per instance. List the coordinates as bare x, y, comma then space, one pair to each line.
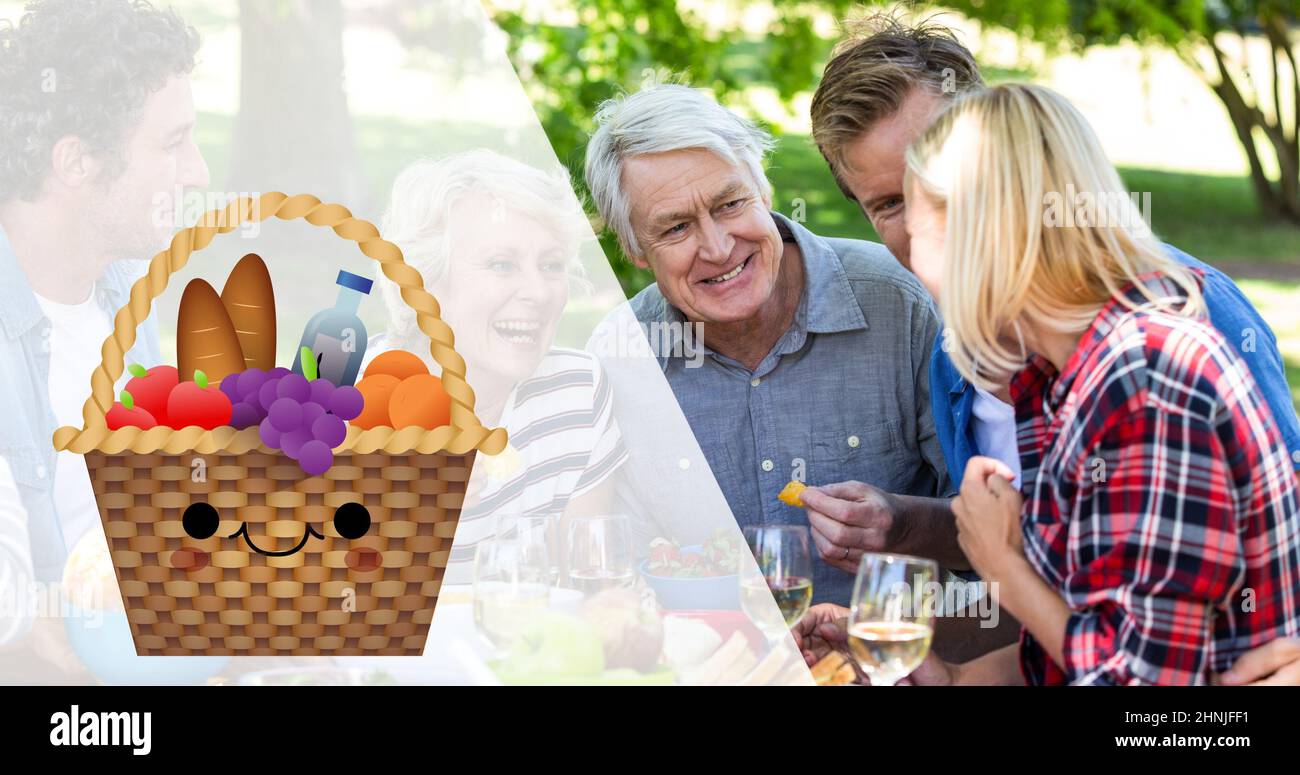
201, 380
137, 370
127, 401
308, 360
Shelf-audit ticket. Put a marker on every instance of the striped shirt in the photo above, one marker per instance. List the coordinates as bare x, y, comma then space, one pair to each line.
564, 441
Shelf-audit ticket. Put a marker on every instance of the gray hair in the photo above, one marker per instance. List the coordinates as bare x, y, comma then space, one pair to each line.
419, 216
660, 119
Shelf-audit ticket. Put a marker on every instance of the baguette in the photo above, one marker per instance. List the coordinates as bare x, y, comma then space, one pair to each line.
250, 302
205, 337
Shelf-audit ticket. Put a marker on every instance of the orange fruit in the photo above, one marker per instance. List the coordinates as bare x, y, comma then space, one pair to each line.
420, 400
397, 363
376, 391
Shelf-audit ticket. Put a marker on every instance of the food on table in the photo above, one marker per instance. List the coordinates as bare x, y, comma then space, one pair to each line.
790, 493
150, 389
421, 401
688, 641
125, 414
834, 669
205, 337
728, 665
397, 363
250, 302
198, 403
336, 337
632, 634
375, 392
718, 556
88, 575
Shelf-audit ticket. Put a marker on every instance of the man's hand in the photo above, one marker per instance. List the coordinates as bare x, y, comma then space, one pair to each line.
822, 630
988, 517
850, 518
1274, 664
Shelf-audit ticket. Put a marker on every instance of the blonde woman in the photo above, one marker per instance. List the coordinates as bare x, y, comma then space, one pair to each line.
497, 243
1158, 535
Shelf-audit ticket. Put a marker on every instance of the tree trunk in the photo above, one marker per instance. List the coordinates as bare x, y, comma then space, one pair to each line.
294, 132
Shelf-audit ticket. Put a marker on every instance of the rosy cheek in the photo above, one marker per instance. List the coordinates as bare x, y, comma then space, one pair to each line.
190, 559
362, 559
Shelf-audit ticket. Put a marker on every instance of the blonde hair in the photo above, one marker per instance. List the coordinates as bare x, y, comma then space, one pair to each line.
993, 162
419, 217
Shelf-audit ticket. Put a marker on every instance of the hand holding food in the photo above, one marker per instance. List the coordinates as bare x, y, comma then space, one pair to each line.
789, 494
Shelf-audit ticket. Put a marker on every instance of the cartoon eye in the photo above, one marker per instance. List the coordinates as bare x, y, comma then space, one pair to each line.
352, 520
200, 520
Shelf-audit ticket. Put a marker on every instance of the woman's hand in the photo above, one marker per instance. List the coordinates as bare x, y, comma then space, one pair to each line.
932, 672
1273, 664
821, 631
988, 518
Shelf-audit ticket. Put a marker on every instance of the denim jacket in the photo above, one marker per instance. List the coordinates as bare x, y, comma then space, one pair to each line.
28, 424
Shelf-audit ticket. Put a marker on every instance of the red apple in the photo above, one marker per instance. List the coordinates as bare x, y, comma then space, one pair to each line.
194, 403
151, 388
125, 414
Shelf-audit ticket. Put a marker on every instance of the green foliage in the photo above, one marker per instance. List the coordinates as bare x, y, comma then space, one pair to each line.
621, 45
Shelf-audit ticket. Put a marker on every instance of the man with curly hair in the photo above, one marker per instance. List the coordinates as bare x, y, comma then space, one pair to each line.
96, 141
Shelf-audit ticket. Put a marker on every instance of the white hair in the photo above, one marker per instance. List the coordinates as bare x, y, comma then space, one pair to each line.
419, 216
660, 119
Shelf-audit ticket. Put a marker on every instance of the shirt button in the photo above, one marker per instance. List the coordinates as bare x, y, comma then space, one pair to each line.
754, 382
768, 465
853, 442
683, 464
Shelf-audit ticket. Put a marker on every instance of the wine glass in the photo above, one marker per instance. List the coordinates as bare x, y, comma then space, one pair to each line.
538, 538
891, 620
781, 571
510, 587
600, 553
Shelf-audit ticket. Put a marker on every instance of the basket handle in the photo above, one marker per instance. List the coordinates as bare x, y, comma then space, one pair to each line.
286, 208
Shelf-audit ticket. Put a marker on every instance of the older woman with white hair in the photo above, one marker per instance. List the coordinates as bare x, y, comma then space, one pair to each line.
815, 350
497, 242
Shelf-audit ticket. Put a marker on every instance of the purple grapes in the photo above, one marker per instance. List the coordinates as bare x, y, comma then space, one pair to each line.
315, 457
285, 415
305, 420
346, 402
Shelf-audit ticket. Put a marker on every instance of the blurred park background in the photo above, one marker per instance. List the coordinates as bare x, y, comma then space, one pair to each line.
1197, 101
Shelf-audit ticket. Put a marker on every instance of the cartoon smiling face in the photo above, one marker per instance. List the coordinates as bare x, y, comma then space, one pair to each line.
201, 521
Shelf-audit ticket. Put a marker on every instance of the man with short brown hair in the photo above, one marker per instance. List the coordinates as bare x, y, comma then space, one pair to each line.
882, 87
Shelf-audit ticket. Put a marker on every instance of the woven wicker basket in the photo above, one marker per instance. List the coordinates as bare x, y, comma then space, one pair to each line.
372, 595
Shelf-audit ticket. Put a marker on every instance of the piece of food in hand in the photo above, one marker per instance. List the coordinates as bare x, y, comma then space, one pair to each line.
205, 337
250, 302
420, 401
397, 363
790, 493
834, 669
126, 414
198, 403
151, 388
375, 393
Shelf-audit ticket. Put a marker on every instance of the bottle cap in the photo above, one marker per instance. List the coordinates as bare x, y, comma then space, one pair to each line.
354, 281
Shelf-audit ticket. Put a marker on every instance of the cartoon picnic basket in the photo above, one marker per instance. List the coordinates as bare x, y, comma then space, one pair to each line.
256, 509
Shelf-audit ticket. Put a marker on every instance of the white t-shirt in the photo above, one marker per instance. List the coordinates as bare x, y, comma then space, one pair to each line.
995, 431
77, 334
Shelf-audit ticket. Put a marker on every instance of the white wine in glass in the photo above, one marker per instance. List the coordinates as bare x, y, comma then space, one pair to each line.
891, 621
600, 554
782, 571
510, 587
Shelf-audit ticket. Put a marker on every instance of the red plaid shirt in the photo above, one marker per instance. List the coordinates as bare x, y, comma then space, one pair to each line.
1159, 501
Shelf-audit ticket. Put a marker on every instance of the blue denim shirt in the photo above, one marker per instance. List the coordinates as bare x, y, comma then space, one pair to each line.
1230, 312
28, 428
841, 396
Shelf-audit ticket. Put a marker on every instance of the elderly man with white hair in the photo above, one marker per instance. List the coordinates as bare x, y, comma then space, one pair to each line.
814, 351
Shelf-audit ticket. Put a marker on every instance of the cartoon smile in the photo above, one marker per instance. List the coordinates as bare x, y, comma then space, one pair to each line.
243, 531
